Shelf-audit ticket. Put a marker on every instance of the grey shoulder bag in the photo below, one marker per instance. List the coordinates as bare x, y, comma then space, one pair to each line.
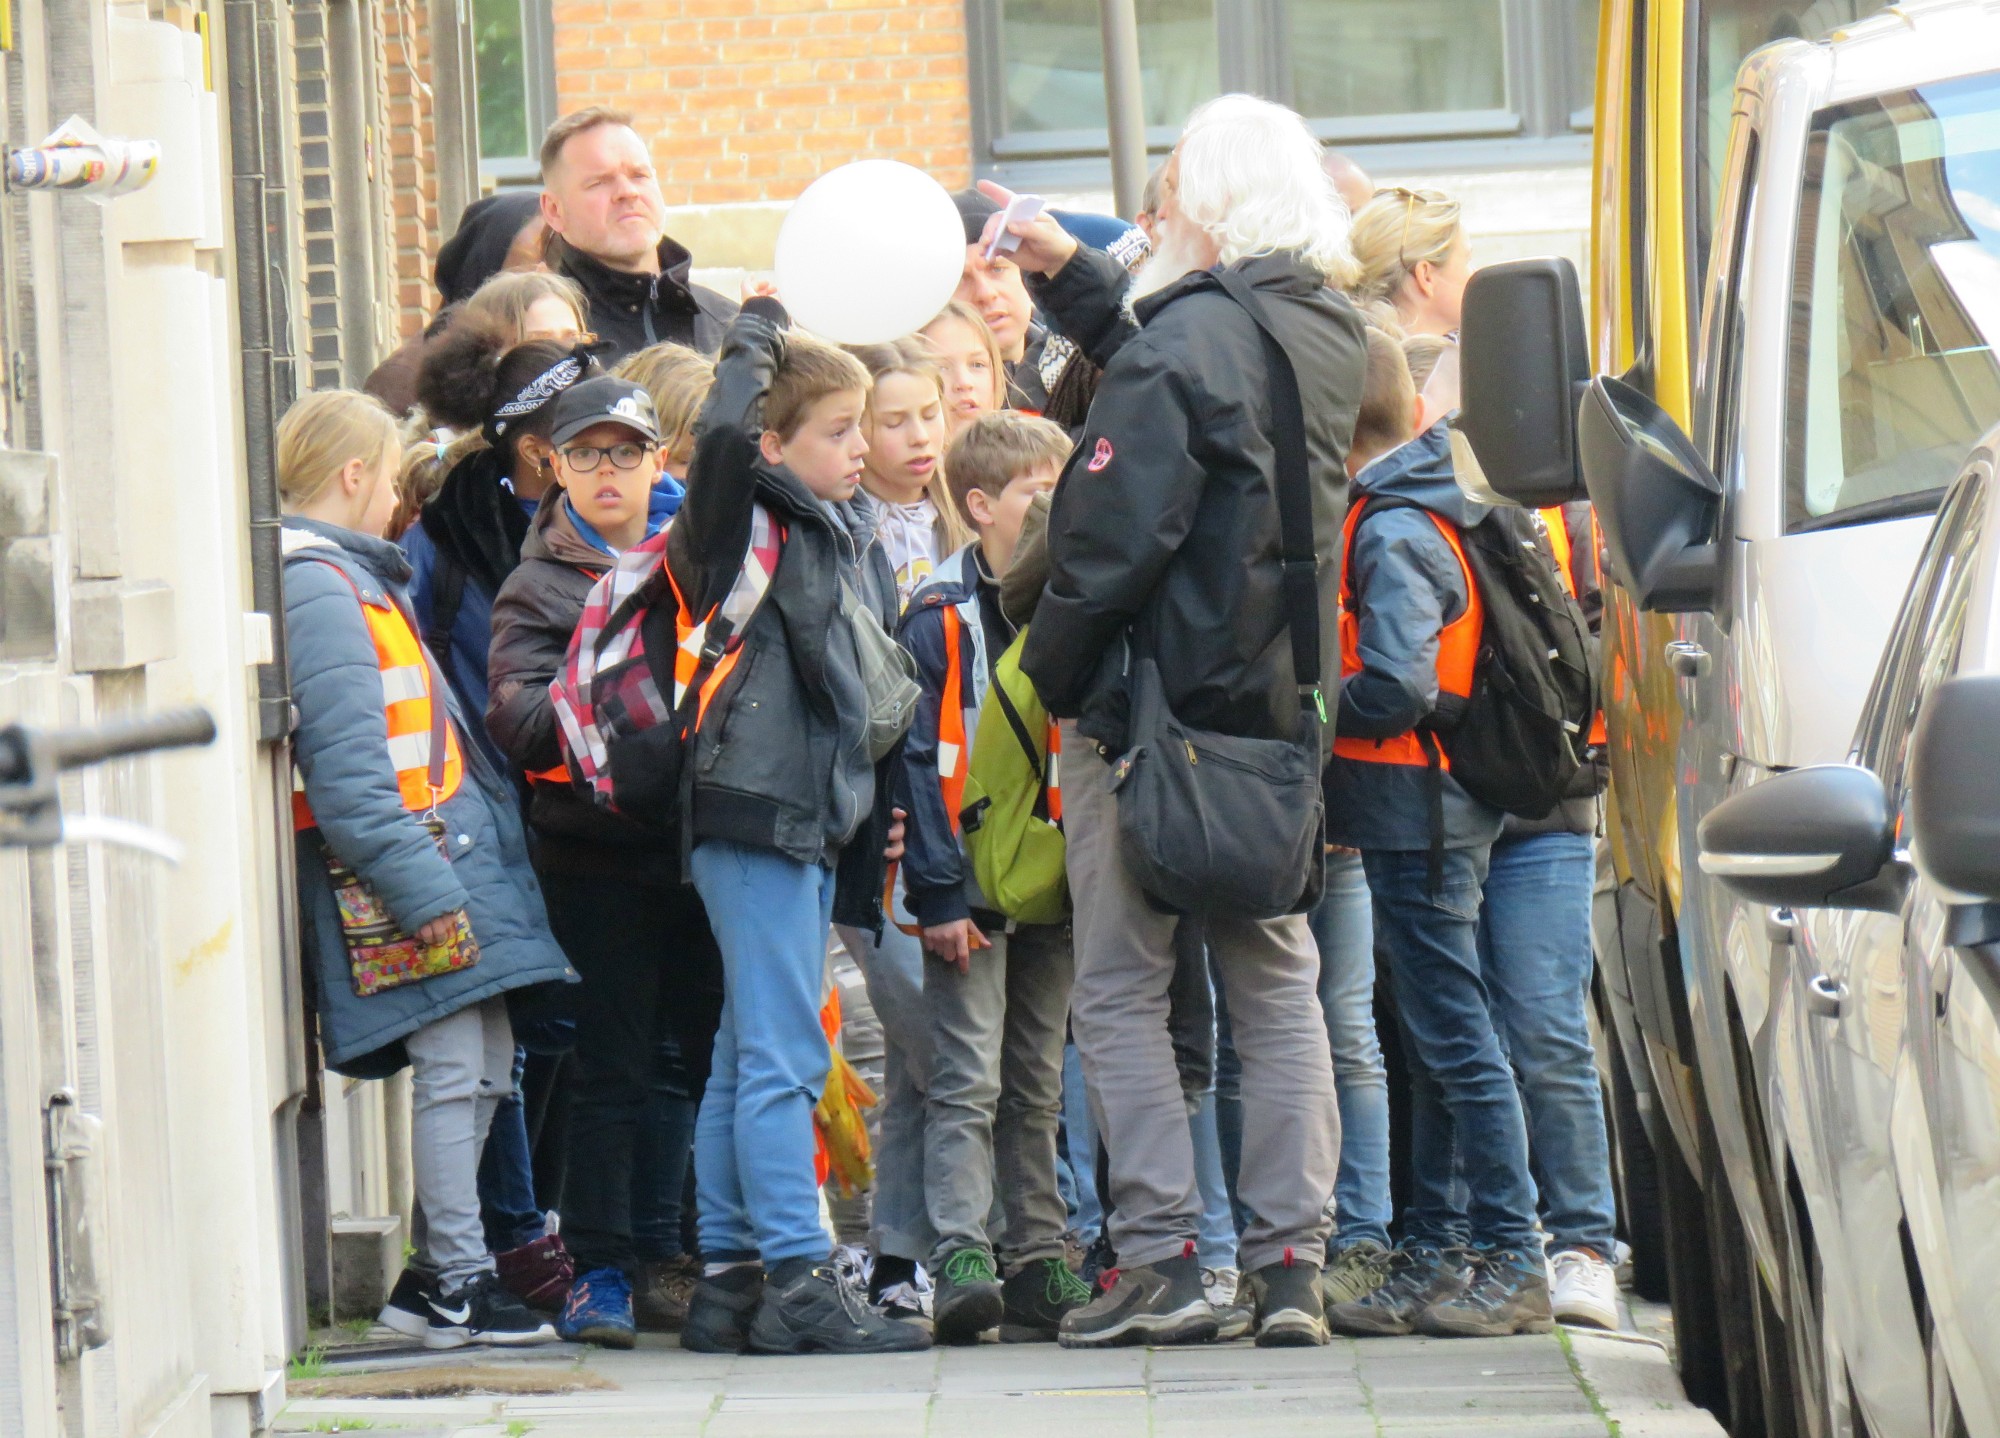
1215, 823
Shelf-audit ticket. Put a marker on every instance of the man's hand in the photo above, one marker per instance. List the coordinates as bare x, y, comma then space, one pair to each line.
1045, 245
893, 850
955, 941
441, 929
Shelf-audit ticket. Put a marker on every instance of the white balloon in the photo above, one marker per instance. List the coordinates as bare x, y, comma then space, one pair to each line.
870, 252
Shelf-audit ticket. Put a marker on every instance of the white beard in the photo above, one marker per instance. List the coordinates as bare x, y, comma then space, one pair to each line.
1178, 250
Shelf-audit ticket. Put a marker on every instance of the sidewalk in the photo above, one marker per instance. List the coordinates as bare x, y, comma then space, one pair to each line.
1569, 1385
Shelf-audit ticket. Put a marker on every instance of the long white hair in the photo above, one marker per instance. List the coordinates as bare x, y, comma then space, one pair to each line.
1250, 177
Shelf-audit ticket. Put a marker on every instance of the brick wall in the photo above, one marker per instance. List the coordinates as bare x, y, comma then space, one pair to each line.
405, 57
752, 99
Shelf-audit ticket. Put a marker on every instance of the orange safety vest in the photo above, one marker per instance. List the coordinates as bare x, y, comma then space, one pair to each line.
406, 705
1558, 530
1458, 648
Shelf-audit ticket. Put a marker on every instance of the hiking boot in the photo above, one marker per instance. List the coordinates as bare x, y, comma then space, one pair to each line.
1352, 1273
1157, 1304
1583, 1289
807, 1309
1034, 1299
1233, 1317
720, 1310
408, 1310
968, 1300
1415, 1278
481, 1311
1509, 1293
1289, 1311
538, 1273
660, 1293
599, 1310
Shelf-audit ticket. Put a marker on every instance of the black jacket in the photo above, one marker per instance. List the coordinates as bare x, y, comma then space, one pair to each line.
630, 312
1168, 507
534, 616
781, 758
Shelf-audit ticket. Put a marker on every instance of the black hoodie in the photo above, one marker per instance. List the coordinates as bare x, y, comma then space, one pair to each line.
630, 312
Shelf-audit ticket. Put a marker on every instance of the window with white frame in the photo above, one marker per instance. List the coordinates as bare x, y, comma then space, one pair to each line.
513, 45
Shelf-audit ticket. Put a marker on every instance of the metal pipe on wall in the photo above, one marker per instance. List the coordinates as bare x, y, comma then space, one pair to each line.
1124, 103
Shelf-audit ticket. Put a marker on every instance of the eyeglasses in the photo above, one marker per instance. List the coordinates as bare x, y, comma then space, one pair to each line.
583, 458
1411, 199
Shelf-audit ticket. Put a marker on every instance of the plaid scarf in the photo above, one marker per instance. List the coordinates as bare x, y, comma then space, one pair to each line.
605, 689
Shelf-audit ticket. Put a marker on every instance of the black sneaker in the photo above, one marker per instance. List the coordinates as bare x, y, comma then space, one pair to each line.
484, 1312
807, 1309
1509, 1293
1156, 1304
967, 1301
1417, 1278
1034, 1299
720, 1310
408, 1310
1289, 1312
661, 1291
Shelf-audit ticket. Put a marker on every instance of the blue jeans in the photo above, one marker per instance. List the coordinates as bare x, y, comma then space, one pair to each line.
1086, 1215
507, 1209
1433, 943
1343, 925
753, 1142
1215, 1238
1534, 949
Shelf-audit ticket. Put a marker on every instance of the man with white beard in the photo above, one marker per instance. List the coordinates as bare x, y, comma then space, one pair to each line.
1165, 535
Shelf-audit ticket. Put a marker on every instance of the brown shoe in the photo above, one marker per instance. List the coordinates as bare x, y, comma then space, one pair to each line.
660, 1294
538, 1273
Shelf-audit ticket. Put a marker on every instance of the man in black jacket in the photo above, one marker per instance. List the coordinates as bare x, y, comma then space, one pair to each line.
1168, 515
607, 220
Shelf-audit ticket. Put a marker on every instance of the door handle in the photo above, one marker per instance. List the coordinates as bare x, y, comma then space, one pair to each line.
1688, 659
1825, 997
1778, 927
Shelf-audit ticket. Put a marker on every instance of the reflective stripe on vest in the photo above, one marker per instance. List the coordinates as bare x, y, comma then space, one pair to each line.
1558, 531
746, 593
1458, 647
406, 706
953, 754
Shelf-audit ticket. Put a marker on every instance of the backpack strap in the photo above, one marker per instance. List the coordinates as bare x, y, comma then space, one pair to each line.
1293, 483
447, 598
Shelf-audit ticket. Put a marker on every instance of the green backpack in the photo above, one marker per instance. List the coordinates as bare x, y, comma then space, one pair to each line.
1012, 812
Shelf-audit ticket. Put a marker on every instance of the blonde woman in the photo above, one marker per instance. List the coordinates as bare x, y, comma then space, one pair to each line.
1414, 257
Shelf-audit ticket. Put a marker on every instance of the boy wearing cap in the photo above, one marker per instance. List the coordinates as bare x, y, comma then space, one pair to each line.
639, 937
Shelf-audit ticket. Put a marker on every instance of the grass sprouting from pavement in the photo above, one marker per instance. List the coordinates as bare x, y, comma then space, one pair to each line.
311, 1363
1583, 1382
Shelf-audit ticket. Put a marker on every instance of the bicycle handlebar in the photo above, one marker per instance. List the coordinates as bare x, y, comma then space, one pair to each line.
116, 738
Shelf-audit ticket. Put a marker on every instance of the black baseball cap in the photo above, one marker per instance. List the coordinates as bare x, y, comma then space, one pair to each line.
605, 399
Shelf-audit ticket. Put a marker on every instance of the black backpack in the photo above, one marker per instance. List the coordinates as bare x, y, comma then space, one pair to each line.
1518, 740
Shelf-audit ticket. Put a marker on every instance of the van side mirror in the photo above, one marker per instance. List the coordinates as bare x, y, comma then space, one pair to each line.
1814, 838
1955, 786
1656, 501
1523, 360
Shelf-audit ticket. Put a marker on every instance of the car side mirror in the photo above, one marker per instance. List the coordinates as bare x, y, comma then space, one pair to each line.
1814, 838
1656, 502
1955, 787
1523, 361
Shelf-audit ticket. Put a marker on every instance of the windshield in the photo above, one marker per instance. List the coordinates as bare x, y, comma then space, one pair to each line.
1896, 301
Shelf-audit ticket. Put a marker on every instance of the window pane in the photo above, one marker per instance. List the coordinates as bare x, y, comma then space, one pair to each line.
1901, 299
1395, 57
1053, 54
1583, 58
503, 79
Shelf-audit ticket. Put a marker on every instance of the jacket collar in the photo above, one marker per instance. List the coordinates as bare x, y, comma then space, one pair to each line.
364, 555
1279, 272
553, 537
600, 281
1421, 472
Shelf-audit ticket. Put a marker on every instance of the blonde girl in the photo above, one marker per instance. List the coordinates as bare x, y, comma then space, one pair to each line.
678, 379
975, 379
903, 473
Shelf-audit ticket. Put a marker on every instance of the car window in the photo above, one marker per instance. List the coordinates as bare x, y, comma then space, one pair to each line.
1896, 302
1923, 651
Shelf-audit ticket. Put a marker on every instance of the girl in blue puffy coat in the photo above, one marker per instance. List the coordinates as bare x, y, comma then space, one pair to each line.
363, 688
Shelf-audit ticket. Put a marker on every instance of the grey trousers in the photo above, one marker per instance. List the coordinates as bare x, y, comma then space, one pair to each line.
894, 970
997, 1035
1269, 971
861, 1046
461, 1067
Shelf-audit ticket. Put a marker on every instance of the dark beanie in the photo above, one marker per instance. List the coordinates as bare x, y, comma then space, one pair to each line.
476, 253
975, 209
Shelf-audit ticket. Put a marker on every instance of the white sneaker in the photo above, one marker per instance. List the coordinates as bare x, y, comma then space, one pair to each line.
853, 1264
1235, 1320
1583, 1289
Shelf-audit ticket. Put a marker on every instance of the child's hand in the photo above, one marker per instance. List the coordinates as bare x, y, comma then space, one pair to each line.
955, 941
440, 930
892, 851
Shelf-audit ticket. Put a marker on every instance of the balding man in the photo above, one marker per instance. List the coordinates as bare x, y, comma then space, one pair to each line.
607, 219
1349, 178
